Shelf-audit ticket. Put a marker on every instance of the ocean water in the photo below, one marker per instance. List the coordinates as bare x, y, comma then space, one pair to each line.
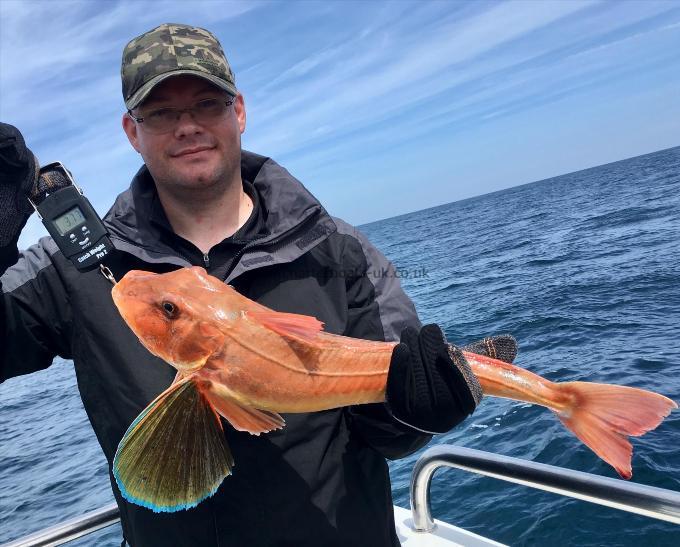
583, 269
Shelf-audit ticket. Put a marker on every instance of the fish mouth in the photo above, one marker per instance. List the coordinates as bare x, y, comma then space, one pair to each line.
125, 288
131, 296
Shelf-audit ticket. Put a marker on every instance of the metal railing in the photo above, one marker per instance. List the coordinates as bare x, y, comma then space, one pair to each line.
645, 500
70, 529
650, 501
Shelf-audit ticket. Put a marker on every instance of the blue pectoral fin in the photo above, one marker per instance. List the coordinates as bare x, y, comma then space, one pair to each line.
174, 455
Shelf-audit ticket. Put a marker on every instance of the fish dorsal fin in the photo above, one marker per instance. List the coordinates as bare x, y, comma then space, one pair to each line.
288, 324
147, 467
245, 418
502, 347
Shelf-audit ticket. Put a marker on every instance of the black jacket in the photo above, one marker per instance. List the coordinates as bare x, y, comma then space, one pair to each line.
321, 480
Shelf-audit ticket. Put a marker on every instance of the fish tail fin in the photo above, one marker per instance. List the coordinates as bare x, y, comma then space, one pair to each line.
147, 468
603, 416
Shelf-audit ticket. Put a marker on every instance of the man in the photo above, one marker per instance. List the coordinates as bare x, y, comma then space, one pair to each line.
200, 200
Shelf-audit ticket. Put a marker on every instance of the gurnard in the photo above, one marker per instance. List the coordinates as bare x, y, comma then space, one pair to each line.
247, 363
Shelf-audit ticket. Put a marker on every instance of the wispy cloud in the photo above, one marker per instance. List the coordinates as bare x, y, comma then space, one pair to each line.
62, 86
448, 56
334, 92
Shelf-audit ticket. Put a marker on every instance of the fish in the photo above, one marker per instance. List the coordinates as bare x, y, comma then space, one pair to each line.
239, 360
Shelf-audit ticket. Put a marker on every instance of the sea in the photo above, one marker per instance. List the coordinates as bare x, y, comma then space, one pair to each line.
582, 269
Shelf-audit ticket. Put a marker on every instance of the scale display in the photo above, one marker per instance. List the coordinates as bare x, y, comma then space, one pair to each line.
70, 219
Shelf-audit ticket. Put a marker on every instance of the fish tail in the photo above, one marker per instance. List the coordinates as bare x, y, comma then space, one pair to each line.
603, 416
147, 468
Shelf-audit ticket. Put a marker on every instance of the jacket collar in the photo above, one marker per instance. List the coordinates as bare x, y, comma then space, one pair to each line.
295, 220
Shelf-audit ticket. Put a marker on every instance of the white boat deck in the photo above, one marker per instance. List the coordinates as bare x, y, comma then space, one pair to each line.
444, 535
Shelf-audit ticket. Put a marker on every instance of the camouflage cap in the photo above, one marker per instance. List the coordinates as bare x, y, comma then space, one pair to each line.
170, 50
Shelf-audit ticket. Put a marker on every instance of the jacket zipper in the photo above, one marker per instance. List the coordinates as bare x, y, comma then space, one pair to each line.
272, 243
253, 243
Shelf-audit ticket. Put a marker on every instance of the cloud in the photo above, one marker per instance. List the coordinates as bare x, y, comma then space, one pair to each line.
480, 64
400, 69
328, 86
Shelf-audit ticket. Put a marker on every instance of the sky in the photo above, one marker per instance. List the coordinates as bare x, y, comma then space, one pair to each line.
379, 108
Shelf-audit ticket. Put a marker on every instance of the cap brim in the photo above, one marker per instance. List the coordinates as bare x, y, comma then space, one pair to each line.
143, 92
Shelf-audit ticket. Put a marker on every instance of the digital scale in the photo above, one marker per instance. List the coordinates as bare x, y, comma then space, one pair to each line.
71, 220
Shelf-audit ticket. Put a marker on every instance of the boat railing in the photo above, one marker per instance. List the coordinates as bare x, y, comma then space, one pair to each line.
658, 503
70, 529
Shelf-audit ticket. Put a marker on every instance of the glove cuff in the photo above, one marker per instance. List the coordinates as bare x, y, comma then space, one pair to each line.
502, 347
407, 426
470, 379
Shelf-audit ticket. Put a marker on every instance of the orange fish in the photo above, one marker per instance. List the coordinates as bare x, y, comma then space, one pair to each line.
240, 360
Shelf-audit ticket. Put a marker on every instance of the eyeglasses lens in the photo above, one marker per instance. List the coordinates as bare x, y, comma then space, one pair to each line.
164, 120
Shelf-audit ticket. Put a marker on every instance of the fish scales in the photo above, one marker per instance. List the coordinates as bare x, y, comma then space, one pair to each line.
296, 376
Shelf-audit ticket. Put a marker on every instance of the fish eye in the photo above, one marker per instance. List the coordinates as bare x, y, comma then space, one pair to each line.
169, 309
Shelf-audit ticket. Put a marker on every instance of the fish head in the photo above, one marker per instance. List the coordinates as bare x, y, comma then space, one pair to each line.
174, 315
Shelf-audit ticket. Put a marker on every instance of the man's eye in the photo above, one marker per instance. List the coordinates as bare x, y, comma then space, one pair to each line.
161, 114
207, 105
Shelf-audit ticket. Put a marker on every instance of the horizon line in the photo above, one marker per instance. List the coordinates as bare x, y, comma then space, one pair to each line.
517, 186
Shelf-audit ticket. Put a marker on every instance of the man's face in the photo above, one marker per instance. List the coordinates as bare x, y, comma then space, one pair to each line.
192, 155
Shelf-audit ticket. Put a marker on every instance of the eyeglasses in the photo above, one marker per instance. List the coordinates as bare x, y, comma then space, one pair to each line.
164, 120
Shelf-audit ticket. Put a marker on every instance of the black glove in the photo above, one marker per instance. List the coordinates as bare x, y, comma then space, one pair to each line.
430, 386
18, 174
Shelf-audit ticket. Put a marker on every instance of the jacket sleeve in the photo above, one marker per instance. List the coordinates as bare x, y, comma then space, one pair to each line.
34, 312
378, 310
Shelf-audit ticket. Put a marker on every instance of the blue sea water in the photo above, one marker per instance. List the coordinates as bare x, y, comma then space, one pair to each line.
583, 269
